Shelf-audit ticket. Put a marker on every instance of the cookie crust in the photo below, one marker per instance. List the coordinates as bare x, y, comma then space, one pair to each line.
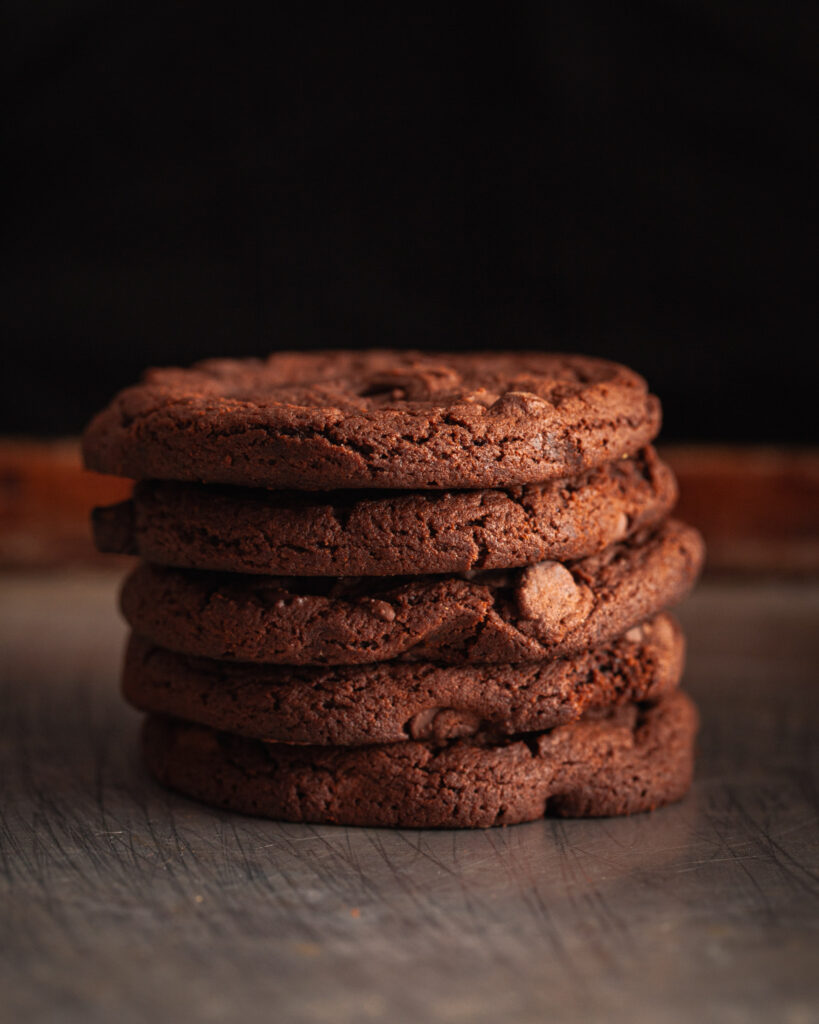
633, 759
544, 611
260, 532
375, 419
394, 701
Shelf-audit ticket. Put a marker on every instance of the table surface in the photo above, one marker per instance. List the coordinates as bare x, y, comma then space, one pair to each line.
125, 903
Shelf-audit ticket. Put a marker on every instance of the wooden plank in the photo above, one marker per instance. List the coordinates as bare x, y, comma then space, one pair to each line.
46, 499
757, 507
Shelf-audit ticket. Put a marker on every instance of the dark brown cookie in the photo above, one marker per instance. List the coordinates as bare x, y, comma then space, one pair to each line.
253, 531
391, 701
375, 419
633, 759
544, 611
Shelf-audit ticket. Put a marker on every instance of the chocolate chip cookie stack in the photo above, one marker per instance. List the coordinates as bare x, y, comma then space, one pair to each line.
389, 588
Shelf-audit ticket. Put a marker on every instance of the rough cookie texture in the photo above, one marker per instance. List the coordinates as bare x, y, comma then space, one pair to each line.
633, 759
253, 531
491, 616
392, 701
331, 420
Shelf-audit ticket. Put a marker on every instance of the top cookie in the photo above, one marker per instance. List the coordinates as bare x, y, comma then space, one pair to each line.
375, 419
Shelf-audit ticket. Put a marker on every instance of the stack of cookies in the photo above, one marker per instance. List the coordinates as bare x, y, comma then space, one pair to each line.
389, 588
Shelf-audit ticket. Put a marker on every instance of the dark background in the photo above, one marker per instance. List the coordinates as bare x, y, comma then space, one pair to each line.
633, 180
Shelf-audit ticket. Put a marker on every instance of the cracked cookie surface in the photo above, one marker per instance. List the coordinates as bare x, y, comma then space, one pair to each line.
375, 419
253, 531
541, 612
631, 759
392, 701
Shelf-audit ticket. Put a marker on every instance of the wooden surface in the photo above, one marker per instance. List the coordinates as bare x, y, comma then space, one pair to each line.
46, 499
125, 903
758, 507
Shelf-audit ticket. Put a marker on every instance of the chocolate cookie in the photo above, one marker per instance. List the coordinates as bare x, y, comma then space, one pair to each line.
253, 531
633, 759
545, 611
391, 701
332, 420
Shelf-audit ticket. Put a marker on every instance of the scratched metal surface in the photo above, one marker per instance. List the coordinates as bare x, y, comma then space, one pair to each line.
121, 902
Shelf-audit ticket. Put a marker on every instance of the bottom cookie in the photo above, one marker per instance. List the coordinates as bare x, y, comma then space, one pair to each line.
633, 759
